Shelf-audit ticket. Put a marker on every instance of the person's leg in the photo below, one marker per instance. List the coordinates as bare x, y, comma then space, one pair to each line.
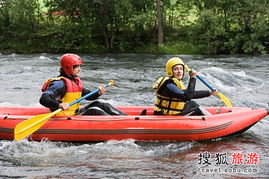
191, 108
93, 111
106, 108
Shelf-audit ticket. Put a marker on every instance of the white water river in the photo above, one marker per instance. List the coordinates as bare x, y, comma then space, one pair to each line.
244, 79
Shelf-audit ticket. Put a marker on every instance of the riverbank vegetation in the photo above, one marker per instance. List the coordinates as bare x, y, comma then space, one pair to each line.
140, 26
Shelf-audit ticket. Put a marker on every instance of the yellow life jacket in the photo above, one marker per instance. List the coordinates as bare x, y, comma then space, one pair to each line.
167, 105
73, 92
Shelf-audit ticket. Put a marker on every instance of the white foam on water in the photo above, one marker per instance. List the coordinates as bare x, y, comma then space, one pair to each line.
231, 82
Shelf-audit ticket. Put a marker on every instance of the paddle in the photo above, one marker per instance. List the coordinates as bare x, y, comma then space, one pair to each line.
226, 100
32, 124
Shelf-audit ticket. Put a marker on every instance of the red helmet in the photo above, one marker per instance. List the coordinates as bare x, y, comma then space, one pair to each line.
68, 61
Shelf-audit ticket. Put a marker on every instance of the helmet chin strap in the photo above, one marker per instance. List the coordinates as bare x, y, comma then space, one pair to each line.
62, 73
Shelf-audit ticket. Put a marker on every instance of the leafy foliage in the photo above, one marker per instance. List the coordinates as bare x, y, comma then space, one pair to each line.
101, 26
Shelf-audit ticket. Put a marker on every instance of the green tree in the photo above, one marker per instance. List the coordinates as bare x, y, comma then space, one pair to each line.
162, 26
160, 21
227, 26
248, 27
20, 20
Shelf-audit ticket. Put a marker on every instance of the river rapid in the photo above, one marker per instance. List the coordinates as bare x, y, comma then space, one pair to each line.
243, 79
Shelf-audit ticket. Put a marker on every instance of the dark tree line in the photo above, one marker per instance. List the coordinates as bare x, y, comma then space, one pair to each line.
146, 26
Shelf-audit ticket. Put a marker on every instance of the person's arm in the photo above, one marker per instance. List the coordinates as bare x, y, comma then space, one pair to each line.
201, 94
102, 89
192, 93
92, 97
171, 90
55, 91
185, 95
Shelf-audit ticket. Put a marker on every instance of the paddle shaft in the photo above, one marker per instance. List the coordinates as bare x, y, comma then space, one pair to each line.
87, 95
202, 80
220, 95
226, 100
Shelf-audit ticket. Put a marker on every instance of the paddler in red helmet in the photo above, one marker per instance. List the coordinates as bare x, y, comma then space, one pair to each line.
67, 87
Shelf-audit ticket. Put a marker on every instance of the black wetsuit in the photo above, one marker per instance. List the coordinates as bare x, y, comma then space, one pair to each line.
170, 89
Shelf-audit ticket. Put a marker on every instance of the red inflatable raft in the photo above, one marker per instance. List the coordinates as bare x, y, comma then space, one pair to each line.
224, 121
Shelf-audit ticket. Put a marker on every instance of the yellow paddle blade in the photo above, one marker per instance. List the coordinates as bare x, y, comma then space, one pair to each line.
111, 83
32, 124
226, 100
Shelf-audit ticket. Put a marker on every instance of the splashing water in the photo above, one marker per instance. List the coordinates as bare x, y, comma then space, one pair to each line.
244, 80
